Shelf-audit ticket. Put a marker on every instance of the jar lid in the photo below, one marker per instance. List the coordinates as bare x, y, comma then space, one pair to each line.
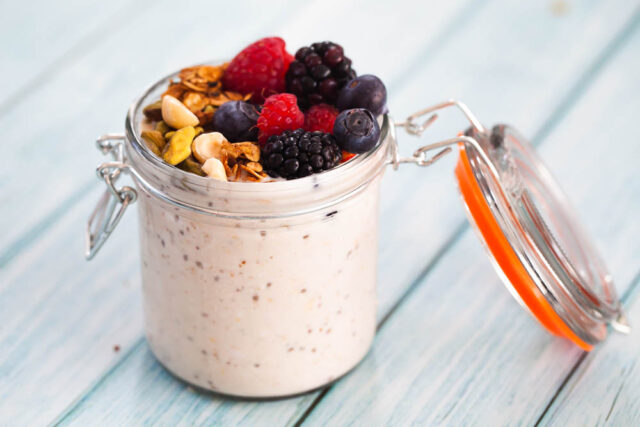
538, 248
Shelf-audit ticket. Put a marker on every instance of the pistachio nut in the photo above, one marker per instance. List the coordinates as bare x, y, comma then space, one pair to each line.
154, 137
179, 145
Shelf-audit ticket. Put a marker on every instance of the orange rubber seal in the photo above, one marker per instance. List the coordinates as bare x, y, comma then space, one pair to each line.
506, 257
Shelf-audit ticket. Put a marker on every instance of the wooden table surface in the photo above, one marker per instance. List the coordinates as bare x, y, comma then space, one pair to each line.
452, 347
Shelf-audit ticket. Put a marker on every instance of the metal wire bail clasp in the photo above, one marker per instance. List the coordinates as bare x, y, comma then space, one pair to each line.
419, 156
105, 218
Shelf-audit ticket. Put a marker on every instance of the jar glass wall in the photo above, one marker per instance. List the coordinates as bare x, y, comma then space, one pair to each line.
257, 289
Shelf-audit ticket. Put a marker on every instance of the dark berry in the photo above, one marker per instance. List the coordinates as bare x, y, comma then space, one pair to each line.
297, 69
318, 73
291, 166
295, 154
356, 130
236, 120
305, 170
315, 98
274, 161
312, 60
308, 84
332, 56
328, 88
302, 52
365, 91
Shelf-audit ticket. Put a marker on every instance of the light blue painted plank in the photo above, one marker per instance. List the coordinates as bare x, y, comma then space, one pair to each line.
45, 358
460, 351
516, 71
60, 321
43, 283
605, 388
187, 407
102, 90
37, 37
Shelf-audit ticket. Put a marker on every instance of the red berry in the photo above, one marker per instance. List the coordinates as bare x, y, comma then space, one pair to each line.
259, 69
279, 113
320, 117
347, 156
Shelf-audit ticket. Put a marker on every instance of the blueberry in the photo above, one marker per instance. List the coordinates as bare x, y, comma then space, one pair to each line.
236, 120
366, 91
356, 130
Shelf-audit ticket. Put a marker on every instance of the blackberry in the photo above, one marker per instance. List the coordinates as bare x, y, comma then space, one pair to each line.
296, 154
318, 73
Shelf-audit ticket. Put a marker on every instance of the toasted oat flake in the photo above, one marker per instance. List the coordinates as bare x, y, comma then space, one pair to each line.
195, 101
248, 150
200, 89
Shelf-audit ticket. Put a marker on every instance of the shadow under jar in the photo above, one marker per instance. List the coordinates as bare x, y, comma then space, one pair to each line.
266, 290
257, 289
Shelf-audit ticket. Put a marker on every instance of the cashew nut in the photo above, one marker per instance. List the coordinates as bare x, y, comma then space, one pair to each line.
214, 169
176, 114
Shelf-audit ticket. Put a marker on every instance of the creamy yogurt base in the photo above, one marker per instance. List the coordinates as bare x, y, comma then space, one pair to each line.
260, 308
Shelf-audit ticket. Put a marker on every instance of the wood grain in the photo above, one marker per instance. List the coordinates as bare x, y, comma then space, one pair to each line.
61, 317
195, 408
82, 373
100, 95
604, 388
460, 351
37, 38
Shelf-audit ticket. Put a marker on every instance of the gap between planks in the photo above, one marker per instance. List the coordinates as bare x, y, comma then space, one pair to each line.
564, 106
422, 59
113, 23
628, 298
99, 380
557, 115
21, 243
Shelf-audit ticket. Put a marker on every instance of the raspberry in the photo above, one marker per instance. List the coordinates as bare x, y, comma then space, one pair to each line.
296, 154
259, 69
318, 73
320, 117
279, 113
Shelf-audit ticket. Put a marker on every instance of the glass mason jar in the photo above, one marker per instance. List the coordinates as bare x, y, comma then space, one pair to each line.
257, 289
269, 289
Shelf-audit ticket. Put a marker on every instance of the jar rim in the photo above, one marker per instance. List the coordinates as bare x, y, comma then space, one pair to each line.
138, 151
133, 136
